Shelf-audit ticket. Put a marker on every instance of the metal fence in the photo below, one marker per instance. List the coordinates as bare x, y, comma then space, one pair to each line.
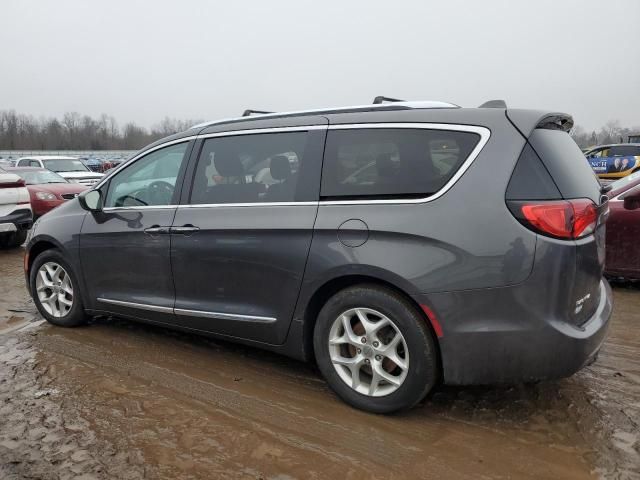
13, 154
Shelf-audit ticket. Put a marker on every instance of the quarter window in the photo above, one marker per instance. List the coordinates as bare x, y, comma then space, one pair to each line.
377, 162
149, 181
252, 168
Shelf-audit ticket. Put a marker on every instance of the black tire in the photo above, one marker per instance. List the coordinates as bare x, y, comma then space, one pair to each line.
76, 315
422, 371
13, 239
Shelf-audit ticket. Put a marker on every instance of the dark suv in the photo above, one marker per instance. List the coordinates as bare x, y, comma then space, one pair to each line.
398, 245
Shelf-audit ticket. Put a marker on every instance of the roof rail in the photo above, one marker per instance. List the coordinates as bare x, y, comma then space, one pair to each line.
382, 99
494, 104
248, 112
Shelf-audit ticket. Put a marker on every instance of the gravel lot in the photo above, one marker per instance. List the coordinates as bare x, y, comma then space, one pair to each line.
117, 399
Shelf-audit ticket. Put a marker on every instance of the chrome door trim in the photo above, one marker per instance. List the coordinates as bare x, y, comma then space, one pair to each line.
140, 306
223, 316
189, 313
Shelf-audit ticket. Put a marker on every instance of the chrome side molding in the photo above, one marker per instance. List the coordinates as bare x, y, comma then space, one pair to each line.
189, 313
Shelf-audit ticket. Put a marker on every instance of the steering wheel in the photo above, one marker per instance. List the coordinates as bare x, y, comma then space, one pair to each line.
160, 193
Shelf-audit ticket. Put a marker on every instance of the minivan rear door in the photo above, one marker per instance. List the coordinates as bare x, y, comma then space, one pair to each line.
241, 236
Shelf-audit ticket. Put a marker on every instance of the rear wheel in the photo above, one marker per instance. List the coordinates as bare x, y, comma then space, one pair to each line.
55, 290
374, 349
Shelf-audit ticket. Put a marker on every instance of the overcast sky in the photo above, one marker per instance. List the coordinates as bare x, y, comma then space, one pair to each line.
144, 60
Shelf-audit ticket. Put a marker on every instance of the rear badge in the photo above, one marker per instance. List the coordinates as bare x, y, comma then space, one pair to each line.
580, 303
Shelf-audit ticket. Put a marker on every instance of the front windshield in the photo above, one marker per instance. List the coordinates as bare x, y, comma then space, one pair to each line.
621, 183
65, 165
38, 177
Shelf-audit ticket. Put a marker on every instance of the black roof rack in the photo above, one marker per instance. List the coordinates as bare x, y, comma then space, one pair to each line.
494, 104
382, 99
248, 112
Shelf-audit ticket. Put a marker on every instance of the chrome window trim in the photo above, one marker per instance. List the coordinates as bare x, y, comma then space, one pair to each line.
484, 133
254, 204
141, 306
140, 155
139, 207
223, 316
257, 131
190, 313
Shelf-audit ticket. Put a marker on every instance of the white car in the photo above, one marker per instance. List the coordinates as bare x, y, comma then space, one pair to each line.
15, 210
70, 168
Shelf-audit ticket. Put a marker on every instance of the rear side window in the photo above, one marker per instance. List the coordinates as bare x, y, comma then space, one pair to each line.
567, 165
394, 162
531, 180
624, 150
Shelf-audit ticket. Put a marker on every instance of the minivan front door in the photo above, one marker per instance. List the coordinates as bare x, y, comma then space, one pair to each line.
240, 240
124, 248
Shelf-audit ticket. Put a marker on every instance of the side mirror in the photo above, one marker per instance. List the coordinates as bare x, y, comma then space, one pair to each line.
91, 200
632, 202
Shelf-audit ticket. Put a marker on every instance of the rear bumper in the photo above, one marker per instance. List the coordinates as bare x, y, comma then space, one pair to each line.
21, 219
495, 336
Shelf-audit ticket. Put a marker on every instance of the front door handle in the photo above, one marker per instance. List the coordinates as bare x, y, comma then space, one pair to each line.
187, 229
156, 230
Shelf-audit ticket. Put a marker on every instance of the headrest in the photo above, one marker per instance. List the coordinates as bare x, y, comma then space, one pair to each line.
228, 165
384, 165
280, 168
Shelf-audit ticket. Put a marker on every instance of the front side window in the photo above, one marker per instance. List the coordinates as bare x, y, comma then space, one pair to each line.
253, 168
380, 162
150, 181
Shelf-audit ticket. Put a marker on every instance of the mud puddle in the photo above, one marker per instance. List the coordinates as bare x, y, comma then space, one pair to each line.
144, 402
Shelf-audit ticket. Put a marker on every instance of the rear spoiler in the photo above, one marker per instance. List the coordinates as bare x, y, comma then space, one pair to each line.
528, 120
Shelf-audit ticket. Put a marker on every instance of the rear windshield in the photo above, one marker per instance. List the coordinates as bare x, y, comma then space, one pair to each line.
65, 165
566, 163
400, 162
37, 177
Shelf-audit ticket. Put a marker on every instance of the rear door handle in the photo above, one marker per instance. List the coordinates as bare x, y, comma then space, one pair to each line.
184, 230
156, 230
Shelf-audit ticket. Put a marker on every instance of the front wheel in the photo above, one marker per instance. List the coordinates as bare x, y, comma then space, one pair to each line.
54, 288
375, 350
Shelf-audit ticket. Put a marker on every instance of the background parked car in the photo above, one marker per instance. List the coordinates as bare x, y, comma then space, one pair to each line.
47, 189
15, 210
623, 228
614, 161
70, 168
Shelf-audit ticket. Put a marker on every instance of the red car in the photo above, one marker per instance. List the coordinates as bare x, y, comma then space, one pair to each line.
623, 228
47, 189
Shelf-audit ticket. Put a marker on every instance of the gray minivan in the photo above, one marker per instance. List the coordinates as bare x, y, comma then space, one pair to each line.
398, 244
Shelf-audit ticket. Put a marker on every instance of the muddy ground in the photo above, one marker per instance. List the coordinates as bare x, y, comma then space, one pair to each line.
117, 399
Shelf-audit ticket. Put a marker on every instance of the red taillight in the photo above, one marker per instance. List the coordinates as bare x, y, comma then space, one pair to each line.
568, 219
14, 184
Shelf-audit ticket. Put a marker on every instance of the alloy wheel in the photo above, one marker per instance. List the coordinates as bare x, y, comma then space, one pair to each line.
368, 352
54, 289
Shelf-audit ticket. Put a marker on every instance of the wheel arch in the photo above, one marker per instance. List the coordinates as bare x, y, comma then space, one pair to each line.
330, 287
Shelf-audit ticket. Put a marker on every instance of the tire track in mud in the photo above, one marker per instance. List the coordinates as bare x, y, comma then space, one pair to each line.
319, 432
